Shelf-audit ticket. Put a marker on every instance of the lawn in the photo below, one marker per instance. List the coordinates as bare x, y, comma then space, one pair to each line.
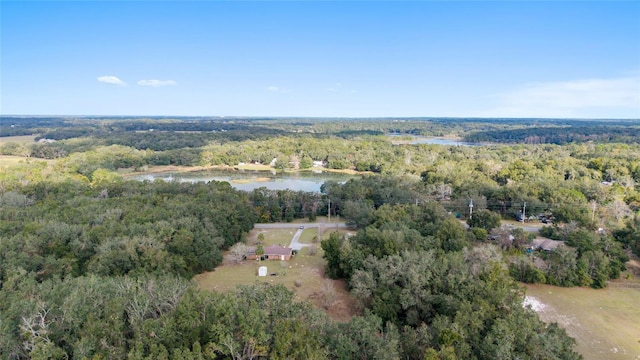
272, 236
302, 267
604, 322
303, 274
308, 236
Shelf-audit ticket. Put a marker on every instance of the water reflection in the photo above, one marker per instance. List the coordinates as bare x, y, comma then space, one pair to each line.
250, 180
416, 139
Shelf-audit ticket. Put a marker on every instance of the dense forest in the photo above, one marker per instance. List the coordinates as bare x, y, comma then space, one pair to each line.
102, 272
96, 266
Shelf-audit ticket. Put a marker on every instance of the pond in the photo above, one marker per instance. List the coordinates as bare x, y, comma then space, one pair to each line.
248, 180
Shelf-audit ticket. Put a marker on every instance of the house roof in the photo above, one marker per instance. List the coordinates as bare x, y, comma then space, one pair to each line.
277, 250
545, 244
270, 250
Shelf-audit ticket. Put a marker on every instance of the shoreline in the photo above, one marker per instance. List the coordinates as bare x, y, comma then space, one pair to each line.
125, 173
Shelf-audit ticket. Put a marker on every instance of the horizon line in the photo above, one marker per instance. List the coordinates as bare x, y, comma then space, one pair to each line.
320, 117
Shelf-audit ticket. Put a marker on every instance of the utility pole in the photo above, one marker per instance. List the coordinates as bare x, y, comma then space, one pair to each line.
329, 210
524, 213
470, 208
593, 210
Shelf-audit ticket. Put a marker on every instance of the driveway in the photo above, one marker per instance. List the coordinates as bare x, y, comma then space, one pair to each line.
295, 244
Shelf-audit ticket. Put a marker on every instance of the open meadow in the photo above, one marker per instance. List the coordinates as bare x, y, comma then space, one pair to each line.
19, 141
23, 139
604, 322
10, 160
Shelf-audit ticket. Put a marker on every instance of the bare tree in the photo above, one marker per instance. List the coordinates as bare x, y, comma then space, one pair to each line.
328, 294
502, 238
313, 250
238, 252
444, 191
36, 327
619, 210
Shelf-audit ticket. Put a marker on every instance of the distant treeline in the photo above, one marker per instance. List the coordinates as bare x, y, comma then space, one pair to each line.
560, 135
132, 131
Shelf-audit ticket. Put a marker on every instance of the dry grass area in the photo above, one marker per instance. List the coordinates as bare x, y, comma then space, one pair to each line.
304, 274
10, 160
17, 139
248, 181
604, 322
254, 167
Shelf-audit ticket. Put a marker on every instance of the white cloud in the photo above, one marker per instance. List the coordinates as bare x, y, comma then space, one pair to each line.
335, 88
575, 98
156, 83
109, 79
277, 89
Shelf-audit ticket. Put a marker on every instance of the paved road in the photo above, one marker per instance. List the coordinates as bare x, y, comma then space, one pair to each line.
297, 225
529, 227
534, 228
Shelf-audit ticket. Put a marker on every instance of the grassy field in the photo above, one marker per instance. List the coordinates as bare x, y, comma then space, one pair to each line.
605, 322
17, 139
303, 274
9, 160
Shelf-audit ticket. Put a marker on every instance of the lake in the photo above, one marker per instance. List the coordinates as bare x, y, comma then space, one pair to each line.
248, 180
416, 139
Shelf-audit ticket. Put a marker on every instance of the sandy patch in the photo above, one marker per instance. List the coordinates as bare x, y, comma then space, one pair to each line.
533, 303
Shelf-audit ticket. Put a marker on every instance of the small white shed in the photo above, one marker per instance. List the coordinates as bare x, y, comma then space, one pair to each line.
262, 271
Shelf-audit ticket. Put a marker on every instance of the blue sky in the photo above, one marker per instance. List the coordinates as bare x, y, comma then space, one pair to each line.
352, 59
